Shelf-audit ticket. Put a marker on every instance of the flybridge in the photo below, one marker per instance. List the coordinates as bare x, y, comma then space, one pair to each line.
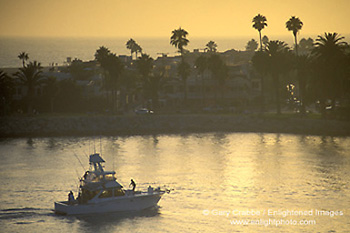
97, 174
96, 158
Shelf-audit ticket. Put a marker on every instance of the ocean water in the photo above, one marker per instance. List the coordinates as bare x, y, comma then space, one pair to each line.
223, 182
56, 50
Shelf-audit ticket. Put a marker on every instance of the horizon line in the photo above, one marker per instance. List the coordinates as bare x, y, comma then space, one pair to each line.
157, 37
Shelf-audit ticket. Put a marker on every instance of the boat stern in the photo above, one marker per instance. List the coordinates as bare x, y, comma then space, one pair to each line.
62, 207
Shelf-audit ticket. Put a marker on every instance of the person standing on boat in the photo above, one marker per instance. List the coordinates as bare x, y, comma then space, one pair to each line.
71, 197
133, 184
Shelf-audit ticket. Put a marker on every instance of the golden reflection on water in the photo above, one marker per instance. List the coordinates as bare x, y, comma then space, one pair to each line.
215, 171
242, 171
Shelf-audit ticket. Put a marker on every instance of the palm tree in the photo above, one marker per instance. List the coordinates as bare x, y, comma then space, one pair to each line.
51, 91
130, 44
259, 61
24, 57
31, 77
154, 84
3, 77
201, 64
152, 78
259, 23
112, 67
179, 40
69, 96
329, 51
218, 70
306, 45
211, 46
184, 70
6, 91
138, 49
144, 65
277, 64
102, 54
133, 46
329, 46
265, 40
303, 64
260, 64
294, 24
252, 45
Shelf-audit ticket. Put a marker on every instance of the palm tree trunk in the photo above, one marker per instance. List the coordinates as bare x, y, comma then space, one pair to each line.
185, 90
30, 99
277, 94
202, 89
216, 93
302, 95
184, 79
116, 101
260, 40
262, 94
111, 101
301, 82
296, 44
222, 94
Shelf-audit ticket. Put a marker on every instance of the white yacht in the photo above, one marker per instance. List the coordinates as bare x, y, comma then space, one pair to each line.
100, 192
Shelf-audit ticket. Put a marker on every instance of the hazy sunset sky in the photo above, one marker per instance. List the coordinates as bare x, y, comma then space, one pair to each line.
157, 18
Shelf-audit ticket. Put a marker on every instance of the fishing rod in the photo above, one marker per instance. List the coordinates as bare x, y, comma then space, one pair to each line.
79, 160
79, 178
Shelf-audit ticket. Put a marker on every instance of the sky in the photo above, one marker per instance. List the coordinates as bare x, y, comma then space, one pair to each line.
157, 18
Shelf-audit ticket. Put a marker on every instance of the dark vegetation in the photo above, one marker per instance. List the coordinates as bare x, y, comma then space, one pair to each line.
311, 72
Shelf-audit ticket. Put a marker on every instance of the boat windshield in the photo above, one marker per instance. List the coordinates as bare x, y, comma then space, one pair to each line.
112, 192
110, 177
91, 177
86, 195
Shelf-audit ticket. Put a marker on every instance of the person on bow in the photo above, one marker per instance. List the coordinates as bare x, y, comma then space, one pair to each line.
133, 184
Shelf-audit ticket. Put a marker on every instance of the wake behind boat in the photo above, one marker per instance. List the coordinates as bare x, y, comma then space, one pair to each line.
99, 192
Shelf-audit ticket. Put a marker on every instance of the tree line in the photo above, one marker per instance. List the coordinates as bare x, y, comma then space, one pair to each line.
55, 95
320, 72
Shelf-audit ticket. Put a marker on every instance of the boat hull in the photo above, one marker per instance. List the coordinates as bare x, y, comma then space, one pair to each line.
125, 203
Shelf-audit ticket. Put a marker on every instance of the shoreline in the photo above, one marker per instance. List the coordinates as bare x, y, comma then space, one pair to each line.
57, 126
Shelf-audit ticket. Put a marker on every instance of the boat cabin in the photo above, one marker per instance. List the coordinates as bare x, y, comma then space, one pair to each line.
98, 183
